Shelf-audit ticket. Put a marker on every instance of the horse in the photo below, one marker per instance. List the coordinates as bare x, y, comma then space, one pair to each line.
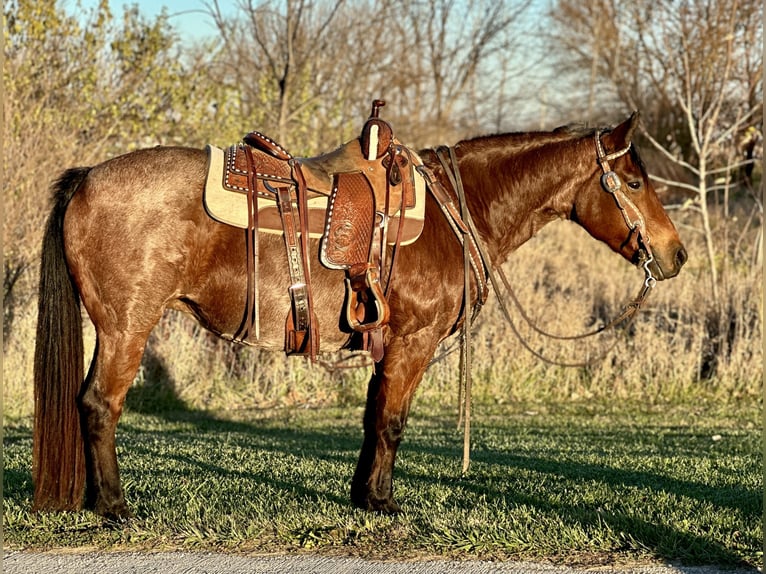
129, 238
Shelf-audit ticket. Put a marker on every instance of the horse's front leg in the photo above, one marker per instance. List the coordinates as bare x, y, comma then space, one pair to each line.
389, 397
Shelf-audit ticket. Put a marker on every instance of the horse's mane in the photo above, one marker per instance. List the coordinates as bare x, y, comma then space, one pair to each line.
571, 131
568, 131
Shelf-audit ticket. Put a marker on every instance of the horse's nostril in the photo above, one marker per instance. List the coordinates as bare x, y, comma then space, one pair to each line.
681, 257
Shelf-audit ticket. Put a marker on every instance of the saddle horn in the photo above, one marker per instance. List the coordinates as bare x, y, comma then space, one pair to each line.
377, 134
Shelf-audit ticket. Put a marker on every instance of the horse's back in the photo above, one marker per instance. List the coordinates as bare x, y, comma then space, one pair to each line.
151, 178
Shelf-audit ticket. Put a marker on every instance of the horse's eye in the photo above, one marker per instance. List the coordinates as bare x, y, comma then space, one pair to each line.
635, 185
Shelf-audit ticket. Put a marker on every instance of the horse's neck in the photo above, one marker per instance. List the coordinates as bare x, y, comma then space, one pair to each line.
516, 184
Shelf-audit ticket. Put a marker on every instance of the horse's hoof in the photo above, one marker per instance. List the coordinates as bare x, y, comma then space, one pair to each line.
115, 522
116, 514
388, 507
375, 504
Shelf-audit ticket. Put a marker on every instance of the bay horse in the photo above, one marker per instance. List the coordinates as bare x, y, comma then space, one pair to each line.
130, 238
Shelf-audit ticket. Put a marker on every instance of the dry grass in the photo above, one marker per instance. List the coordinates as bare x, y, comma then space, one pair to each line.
567, 282
671, 353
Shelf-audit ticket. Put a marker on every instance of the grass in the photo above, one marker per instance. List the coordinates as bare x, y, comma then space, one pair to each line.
569, 484
652, 454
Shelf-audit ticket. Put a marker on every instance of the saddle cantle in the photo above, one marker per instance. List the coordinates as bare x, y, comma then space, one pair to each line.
357, 199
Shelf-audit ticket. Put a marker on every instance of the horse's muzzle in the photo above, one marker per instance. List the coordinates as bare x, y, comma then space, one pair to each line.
668, 262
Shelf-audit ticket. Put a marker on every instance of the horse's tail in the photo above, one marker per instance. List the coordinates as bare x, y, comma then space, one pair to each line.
58, 457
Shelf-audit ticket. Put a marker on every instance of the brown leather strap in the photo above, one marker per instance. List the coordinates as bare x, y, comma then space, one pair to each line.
298, 322
265, 143
250, 320
460, 227
301, 193
472, 252
402, 211
465, 351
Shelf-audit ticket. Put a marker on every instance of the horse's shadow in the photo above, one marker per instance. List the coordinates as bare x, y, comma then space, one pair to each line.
648, 535
156, 395
154, 392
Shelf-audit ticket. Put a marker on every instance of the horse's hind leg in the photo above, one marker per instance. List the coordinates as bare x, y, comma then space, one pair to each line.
114, 366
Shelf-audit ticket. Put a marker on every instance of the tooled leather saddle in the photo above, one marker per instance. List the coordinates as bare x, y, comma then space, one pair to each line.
357, 200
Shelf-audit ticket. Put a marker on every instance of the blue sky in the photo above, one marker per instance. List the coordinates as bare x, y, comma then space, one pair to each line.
187, 16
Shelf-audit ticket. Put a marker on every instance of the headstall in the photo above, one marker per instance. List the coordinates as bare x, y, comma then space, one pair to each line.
633, 217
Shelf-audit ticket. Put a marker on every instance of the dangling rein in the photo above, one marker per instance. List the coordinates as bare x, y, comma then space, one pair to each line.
468, 235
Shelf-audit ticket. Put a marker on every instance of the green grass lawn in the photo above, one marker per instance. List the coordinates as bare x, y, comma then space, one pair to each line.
577, 485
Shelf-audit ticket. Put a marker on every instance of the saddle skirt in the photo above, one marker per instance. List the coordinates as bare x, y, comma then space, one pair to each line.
226, 187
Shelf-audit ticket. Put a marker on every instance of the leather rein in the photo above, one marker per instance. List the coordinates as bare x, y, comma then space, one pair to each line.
475, 256
634, 220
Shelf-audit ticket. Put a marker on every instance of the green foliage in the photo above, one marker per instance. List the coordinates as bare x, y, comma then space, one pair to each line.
103, 85
582, 486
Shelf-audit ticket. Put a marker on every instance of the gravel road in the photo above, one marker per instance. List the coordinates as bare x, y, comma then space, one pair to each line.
212, 563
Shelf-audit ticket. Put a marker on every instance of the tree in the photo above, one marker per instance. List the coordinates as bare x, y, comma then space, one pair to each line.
695, 69
296, 65
307, 69
79, 89
453, 72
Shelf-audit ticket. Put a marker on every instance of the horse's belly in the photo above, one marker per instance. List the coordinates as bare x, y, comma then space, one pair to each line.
218, 285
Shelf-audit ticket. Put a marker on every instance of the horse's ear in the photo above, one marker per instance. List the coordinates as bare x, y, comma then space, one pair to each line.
622, 135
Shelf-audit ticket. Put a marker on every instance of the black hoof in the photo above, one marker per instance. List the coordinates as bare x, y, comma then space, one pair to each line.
376, 504
389, 507
116, 514
115, 522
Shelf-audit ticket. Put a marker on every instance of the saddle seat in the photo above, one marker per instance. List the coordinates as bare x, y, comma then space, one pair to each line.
225, 196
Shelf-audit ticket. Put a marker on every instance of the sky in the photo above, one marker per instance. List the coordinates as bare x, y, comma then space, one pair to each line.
189, 17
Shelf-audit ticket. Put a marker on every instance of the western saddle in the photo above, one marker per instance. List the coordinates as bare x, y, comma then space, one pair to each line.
359, 199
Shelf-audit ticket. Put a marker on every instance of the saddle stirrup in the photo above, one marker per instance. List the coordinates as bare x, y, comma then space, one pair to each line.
366, 304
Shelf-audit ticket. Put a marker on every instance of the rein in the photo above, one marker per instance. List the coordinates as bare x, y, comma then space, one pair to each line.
468, 235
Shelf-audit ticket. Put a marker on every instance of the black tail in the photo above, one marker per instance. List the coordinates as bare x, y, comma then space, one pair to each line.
58, 459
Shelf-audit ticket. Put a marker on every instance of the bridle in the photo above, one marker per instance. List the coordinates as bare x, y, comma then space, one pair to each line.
634, 220
632, 216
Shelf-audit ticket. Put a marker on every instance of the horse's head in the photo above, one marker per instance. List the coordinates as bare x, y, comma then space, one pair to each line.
619, 205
